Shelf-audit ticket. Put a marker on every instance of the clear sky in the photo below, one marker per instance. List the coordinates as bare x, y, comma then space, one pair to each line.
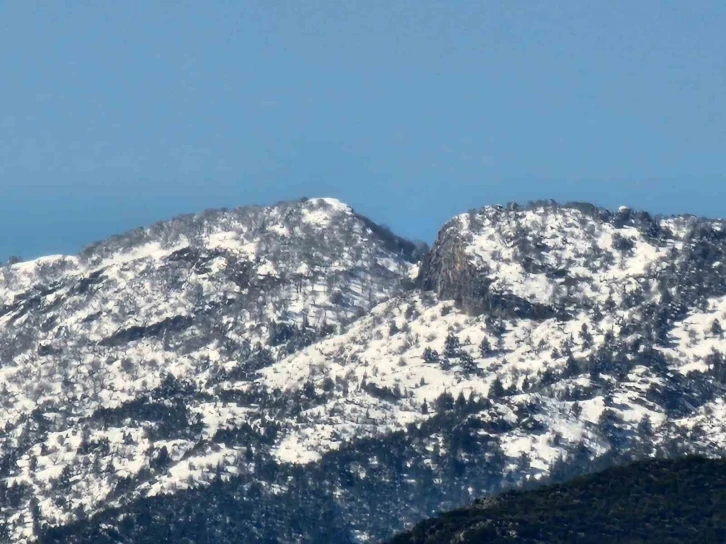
118, 114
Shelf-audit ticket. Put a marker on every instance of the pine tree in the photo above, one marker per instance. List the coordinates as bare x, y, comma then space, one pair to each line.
468, 364
716, 329
525, 384
585, 336
460, 401
485, 348
496, 390
444, 402
162, 459
430, 355
645, 427
609, 427
452, 346
571, 367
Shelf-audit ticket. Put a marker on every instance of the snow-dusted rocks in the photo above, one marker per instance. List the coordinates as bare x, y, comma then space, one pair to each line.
546, 258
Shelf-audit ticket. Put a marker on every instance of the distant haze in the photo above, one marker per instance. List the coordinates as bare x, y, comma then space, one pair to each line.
116, 115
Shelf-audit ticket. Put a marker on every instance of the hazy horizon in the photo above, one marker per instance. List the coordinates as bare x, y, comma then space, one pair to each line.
121, 115
372, 217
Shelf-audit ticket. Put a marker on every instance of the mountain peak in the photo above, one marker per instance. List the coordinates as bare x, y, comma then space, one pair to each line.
334, 203
547, 259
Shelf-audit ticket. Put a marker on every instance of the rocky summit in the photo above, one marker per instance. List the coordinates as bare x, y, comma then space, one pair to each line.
298, 373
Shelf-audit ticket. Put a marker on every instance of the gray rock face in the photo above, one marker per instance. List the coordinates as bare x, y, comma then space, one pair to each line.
548, 260
449, 271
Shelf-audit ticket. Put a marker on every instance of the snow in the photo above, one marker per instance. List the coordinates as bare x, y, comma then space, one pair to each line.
320, 212
219, 415
191, 472
389, 264
152, 250
317, 218
29, 267
293, 450
267, 269
693, 339
537, 447
333, 203
592, 409
280, 230
231, 241
396, 361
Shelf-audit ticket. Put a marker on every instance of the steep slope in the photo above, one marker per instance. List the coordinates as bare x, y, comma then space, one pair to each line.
651, 502
541, 342
112, 356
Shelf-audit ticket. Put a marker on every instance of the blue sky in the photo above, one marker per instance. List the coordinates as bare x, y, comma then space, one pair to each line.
118, 114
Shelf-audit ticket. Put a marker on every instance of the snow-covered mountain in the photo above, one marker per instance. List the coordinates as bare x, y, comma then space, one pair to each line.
337, 383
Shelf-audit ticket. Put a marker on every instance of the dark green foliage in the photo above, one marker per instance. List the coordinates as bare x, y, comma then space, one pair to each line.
161, 460
452, 346
497, 389
717, 366
622, 243
663, 502
291, 337
716, 328
408, 250
467, 364
171, 325
485, 348
430, 355
383, 393
586, 335
166, 408
444, 402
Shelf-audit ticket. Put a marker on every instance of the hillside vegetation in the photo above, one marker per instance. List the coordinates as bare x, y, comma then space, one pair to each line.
654, 501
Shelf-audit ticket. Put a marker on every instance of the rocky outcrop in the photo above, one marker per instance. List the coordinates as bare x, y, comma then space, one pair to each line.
449, 271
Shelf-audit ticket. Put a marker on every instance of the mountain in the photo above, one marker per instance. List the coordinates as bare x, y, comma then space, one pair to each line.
650, 501
297, 373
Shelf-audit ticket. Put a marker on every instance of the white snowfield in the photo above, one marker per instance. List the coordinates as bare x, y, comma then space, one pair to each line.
198, 297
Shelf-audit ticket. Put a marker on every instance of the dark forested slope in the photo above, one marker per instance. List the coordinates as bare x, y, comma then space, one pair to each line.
652, 501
